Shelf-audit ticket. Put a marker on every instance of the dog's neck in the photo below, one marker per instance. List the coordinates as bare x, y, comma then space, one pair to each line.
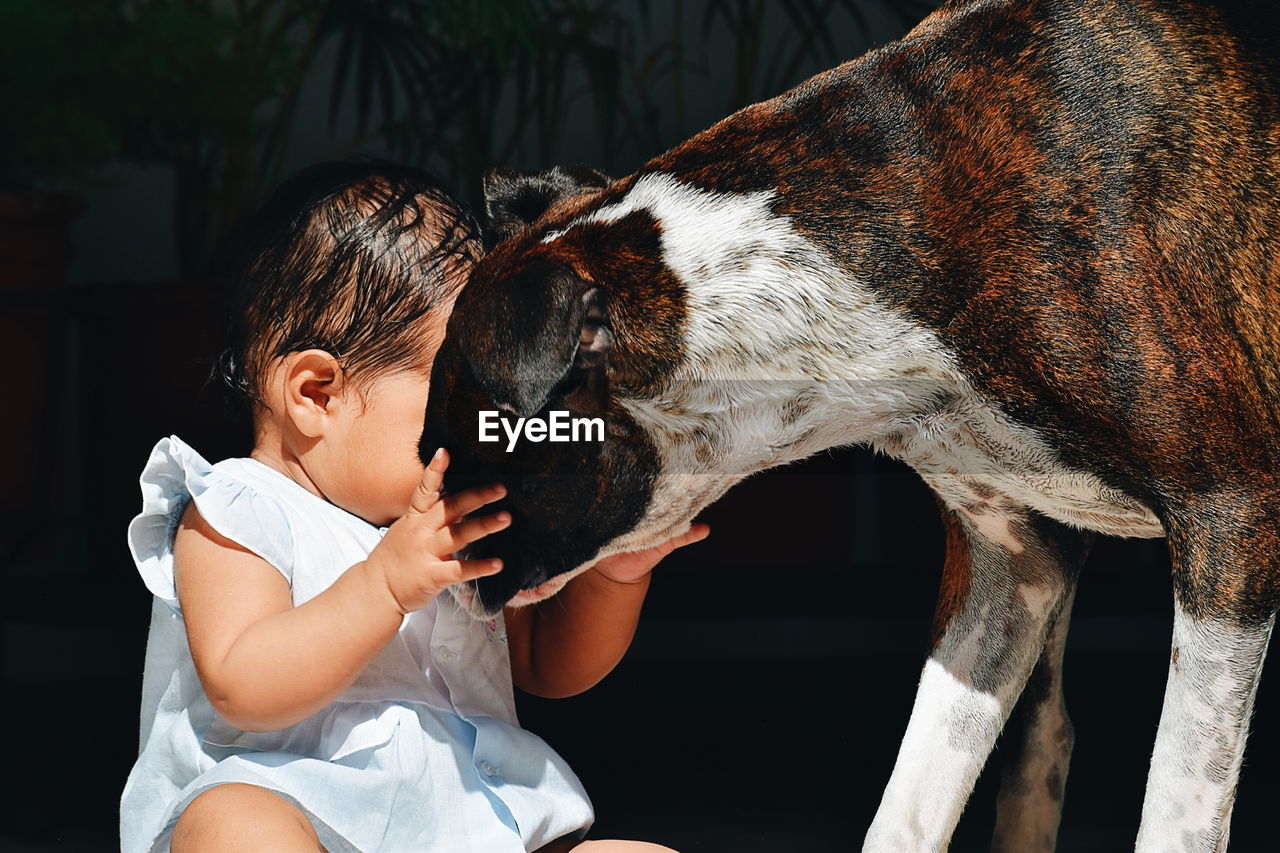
787, 355
784, 353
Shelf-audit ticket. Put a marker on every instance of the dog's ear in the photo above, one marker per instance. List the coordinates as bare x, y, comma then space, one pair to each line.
512, 200
548, 332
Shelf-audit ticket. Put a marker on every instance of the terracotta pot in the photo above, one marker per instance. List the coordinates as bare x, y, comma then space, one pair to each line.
35, 237
35, 248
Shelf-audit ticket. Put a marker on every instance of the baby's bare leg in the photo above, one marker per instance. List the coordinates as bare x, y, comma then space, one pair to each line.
603, 846
243, 818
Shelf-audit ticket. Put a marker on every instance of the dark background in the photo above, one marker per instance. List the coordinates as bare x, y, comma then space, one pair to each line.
772, 676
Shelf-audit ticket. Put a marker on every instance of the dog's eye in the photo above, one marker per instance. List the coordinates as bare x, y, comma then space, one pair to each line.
595, 339
594, 343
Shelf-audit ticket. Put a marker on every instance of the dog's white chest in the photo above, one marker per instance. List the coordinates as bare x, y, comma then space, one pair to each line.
986, 465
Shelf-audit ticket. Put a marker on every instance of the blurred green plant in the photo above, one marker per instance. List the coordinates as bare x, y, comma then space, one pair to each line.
209, 87
61, 123
219, 84
498, 77
213, 87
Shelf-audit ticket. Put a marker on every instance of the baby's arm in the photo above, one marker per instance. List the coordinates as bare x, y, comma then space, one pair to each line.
566, 644
266, 664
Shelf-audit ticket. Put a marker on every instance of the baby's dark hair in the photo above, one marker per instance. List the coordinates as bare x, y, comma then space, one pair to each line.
348, 257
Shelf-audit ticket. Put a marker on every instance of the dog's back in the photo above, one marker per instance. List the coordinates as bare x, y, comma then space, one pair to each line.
1082, 199
1030, 249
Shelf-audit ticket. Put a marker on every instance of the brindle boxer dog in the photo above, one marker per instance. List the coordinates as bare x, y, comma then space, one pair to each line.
1032, 249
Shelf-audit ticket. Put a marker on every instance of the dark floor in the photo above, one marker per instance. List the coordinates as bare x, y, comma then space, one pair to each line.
762, 732
758, 712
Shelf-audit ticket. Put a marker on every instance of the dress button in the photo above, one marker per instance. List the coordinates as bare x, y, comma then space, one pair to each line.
488, 769
447, 653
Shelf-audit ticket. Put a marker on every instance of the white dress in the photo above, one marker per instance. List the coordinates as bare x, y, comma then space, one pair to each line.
422, 753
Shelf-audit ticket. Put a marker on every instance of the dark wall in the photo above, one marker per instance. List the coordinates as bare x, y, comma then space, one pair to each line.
774, 668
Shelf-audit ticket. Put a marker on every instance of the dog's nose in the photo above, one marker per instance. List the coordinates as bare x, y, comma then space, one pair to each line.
460, 477
535, 578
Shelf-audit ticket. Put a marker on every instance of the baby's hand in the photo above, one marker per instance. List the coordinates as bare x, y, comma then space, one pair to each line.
415, 556
632, 567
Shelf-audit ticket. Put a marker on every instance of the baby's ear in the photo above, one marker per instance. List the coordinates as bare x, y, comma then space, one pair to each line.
513, 200
310, 381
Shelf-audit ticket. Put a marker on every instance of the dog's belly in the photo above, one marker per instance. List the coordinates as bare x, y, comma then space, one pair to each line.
980, 462
991, 468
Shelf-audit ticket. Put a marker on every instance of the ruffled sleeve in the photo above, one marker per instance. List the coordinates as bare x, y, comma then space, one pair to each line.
176, 474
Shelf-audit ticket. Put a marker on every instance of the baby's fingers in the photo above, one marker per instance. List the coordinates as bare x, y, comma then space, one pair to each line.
428, 490
466, 502
461, 571
695, 533
469, 530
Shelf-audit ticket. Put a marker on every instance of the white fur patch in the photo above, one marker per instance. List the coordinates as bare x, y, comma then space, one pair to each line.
971, 449
950, 733
997, 528
787, 356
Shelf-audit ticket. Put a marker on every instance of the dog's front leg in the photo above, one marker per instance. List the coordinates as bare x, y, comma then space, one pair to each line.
1226, 565
1008, 573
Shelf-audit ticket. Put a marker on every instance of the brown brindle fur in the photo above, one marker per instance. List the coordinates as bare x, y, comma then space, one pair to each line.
1028, 142
1148, 349
957, 576
1077, 203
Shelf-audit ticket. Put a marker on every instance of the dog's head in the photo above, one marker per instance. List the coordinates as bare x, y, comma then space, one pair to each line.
691, 324
535, 332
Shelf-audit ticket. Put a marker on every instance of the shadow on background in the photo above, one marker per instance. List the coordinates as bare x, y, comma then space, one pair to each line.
761, 705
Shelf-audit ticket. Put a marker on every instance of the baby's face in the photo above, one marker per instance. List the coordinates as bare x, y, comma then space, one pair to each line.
379, 467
